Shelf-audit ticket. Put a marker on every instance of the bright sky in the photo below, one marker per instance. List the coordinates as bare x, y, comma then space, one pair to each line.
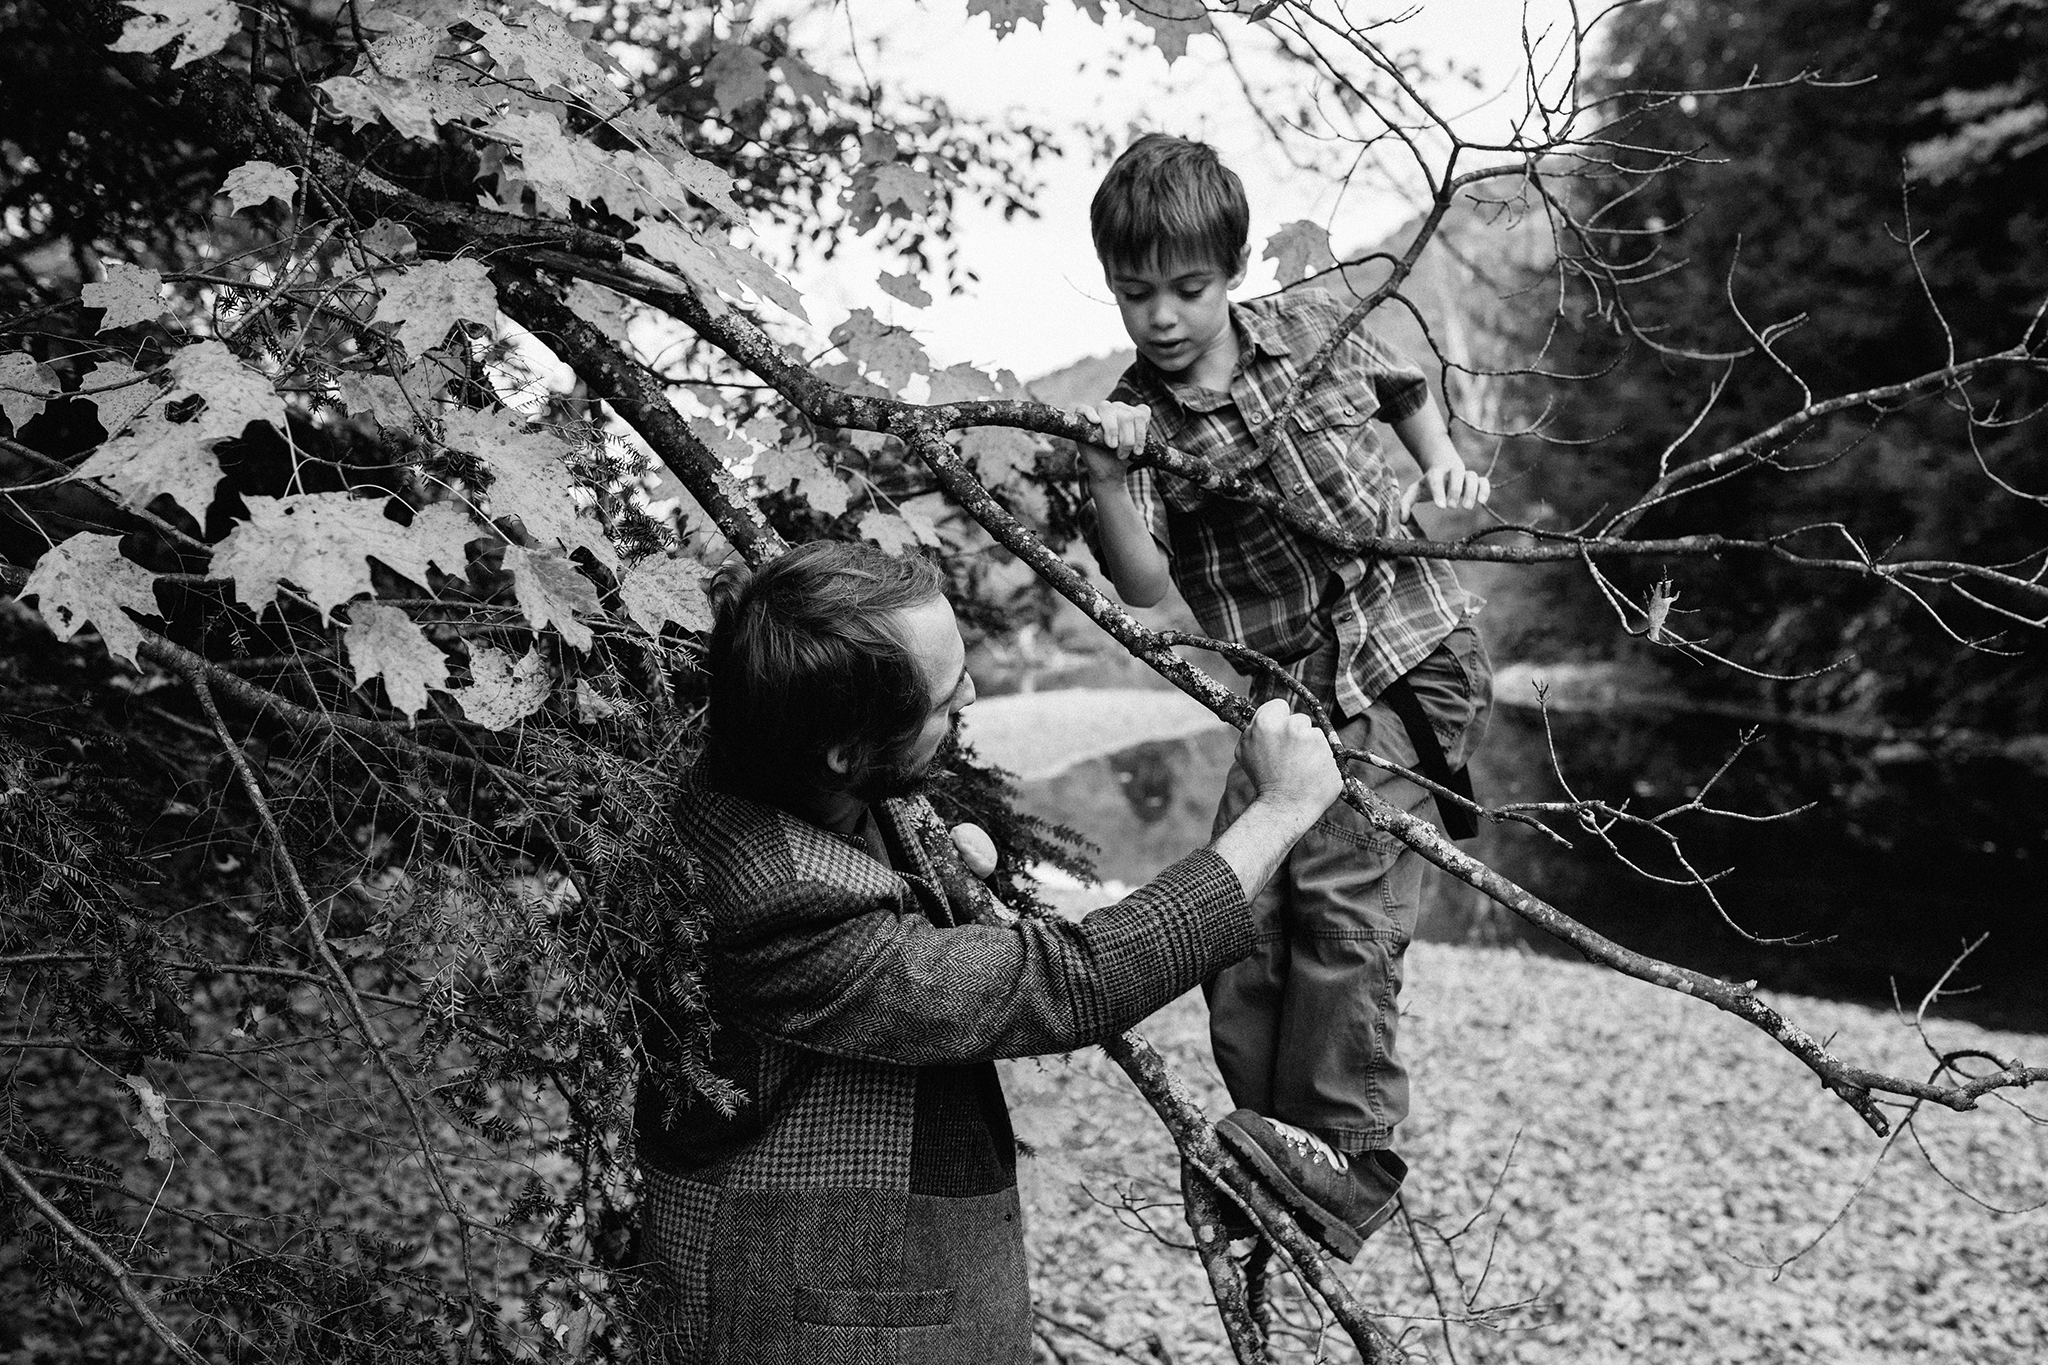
1040, 303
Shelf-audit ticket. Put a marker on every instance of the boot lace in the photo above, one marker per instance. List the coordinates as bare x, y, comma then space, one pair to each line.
1309, 1147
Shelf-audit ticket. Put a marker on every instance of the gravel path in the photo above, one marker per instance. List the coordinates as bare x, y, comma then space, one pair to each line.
1664, 1157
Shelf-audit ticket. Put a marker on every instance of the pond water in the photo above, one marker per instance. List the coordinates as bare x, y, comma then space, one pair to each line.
1907, 855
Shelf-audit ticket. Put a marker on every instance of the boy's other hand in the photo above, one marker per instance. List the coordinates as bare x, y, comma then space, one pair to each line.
1124, 427
1289, 761
1450, 484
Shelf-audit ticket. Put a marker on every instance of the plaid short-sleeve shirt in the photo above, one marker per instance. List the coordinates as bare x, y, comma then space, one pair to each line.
1249, 576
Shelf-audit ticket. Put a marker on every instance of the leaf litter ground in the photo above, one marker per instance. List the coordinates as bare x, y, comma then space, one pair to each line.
1665, 1158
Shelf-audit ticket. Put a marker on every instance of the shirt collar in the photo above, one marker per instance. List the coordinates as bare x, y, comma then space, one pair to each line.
1257, 335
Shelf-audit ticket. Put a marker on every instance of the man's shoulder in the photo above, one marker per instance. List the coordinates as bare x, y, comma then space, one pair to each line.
758, 863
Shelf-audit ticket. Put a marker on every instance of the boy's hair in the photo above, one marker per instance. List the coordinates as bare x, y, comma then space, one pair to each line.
803, 659
1167, 200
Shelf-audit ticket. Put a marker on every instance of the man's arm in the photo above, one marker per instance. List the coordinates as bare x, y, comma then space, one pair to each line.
1130, 556
852, 976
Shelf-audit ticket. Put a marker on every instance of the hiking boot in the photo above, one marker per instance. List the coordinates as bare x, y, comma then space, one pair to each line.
1339, 1200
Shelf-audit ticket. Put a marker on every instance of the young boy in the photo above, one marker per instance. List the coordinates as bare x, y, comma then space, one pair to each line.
1303, 1029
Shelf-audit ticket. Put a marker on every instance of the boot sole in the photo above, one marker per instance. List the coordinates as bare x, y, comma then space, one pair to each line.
1334, 1235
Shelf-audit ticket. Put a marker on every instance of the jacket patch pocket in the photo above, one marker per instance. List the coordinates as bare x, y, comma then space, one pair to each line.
875, 1308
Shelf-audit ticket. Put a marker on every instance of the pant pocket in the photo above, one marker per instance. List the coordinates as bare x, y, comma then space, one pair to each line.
1455, 686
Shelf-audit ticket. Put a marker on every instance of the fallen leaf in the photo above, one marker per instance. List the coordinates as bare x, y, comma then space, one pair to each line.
130, 294
152, 1118
258, 182
382, 641
87, 579
502, 691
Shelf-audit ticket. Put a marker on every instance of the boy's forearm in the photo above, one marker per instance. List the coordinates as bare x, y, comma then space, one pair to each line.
1130, 556
1424, 435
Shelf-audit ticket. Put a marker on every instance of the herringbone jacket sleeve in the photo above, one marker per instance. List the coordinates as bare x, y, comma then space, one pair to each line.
847, 967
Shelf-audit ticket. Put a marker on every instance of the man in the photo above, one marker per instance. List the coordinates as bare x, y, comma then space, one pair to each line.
860, 1203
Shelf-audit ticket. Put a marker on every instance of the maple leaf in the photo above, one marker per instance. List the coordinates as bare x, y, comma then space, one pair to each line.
425, 300
897, 183
887, 530
415, 107
716, 267
530, 479
1000, 454
322, 544
551, 591
235, 394
924, 513
383, 642
26, 386
541, 47
205, 25
1003, 15
130, 294
406, 48
379, 397
258, 182
959, 384
158, 457
803, 80
502, 692
905, 288
889, 353
816, 481
389, 241
738, 76
559, 167
662, 149
119, 391
87, 579
1302, 249
659, 590
1172, 23
161, 456
599, 307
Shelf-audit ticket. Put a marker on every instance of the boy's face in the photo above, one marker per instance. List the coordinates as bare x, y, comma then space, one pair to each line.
1177, 312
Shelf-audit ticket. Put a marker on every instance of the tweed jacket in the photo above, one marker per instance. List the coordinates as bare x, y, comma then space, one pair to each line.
861, 1203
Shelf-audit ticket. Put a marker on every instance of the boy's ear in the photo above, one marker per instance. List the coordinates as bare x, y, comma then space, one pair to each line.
1244, 262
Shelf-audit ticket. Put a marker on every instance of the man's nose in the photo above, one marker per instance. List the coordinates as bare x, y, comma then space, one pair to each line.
967, 694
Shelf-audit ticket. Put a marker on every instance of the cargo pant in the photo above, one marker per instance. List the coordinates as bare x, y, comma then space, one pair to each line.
1303, 1029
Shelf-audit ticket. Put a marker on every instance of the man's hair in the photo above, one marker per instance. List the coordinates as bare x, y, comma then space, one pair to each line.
1169, 200
803, 659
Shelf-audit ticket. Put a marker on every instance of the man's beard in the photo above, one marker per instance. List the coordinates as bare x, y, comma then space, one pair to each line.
900, 777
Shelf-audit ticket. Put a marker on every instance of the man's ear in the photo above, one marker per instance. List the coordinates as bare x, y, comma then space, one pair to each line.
1244, 263
837, 761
